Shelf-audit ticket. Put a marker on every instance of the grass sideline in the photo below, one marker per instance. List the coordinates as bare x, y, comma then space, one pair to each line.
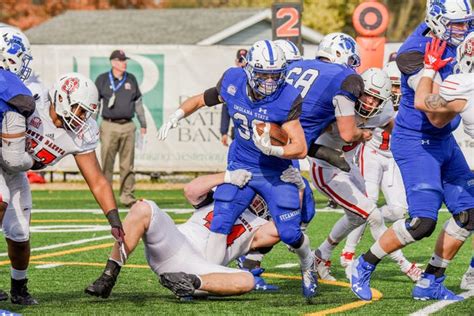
60, 288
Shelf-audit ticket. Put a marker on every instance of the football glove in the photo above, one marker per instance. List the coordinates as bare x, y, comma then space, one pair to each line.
293, 175
263, 142
434, 55
172, 123
238, 177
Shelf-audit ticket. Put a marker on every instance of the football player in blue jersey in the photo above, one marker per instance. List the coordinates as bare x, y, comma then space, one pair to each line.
256, 94
432, 165
16, 103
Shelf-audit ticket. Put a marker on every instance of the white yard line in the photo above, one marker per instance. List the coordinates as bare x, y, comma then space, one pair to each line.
286, 265
71, 243
433, 308
48, 266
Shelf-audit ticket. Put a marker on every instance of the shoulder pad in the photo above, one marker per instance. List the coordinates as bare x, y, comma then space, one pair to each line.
410, 62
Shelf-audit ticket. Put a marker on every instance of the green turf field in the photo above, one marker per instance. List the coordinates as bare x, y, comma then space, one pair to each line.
59, 275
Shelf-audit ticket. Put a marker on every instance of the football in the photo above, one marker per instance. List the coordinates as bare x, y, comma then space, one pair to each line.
278, 136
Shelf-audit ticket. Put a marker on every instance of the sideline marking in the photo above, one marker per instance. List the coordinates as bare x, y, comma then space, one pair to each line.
435, 307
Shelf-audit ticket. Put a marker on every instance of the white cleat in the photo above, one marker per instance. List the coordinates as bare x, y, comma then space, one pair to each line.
413, 273
467, 281
323, 267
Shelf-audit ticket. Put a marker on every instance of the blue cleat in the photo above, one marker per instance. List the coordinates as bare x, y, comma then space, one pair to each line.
260, 283
431, 288
360, 278
309, 283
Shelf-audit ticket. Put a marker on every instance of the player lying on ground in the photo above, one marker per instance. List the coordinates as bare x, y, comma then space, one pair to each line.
60, 125
432, 165
258, 93
377, 166
177, 253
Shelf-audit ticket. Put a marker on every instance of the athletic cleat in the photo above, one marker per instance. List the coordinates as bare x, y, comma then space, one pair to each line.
323, 267
360, 279
467, 282
19, 293
102, 287
347, 258
262, 285
309, 283
332, 204
180, 283
414, 272
431, 288
3, 295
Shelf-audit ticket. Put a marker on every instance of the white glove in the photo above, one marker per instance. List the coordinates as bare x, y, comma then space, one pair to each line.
264, 144
293, 175
467, 116
172, 123
238, 177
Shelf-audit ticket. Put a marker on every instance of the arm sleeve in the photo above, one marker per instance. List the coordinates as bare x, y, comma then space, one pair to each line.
410, 62
225, 120
212, 95
138, 94
14, 155
296, 109
352, 87
140, 110
343, 106
414, 80
24, 104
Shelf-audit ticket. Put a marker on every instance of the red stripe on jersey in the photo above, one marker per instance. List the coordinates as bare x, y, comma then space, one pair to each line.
456, 83
361, 159
448, 88
325, 188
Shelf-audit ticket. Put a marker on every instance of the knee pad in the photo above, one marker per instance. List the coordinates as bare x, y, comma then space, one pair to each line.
226, 209
308, 209
355, 220
412, 229
392, 213
291, 236
452, 228
465, 219
18, 232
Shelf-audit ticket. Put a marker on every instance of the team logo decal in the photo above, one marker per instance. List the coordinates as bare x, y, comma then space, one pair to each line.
231, 90
70, 85
35, 122
15, 45
127, 86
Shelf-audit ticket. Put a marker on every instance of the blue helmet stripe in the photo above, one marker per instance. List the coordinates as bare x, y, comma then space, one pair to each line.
270, 51
295, 49
467, 6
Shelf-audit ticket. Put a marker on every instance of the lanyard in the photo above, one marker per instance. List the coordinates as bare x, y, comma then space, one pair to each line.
111, 79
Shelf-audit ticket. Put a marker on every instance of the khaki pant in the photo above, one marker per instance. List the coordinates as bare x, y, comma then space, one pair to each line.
119, 138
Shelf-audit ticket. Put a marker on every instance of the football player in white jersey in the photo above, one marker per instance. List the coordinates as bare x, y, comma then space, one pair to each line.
379, 170
373, 109
60, 125
177, 253
456, 96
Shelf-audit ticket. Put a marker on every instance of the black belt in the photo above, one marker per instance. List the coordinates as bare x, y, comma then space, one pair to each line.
118, 121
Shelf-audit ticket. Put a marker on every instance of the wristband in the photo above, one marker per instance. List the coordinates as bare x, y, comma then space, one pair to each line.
429, 73
179, 114
114, 218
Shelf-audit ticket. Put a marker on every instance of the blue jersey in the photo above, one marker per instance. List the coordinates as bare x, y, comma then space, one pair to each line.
282, 106
411, 121
319, 82
10, 87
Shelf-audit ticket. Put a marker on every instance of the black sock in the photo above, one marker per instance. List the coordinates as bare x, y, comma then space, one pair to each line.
250, 264
371, 258
437, 271
112, 269
196, 281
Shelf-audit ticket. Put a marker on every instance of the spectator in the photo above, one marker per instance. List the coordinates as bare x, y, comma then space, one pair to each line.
240, 61
120, 98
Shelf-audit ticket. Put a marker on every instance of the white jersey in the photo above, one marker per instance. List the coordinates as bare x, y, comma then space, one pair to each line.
197, 231
49, 144
381, 141
332, 139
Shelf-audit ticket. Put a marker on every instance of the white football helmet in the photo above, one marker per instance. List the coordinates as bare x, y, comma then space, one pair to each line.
442, 14
291, 51
378, 86
465, 55
340, 48
259, 207
15, 52
75, 98
391, 69
266, 67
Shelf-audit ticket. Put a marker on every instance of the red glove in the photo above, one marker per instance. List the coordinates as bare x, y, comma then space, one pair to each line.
434, 54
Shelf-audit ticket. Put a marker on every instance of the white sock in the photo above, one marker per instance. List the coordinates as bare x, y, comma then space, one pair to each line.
325, 249
120, 263
353, 239
400, 259
216, 248
305, 254
18, 274
437, 261
377, 250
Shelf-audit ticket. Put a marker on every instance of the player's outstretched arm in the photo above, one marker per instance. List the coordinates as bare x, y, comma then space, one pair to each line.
101, 189
296, 148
